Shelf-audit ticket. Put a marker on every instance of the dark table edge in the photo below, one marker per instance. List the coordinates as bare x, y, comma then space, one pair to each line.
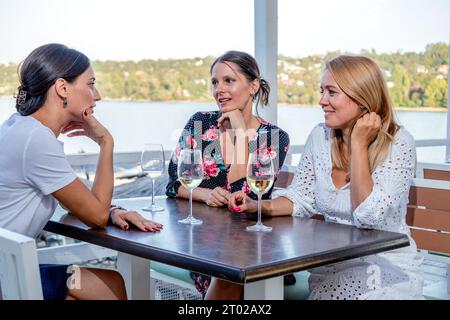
226, 272
328, 258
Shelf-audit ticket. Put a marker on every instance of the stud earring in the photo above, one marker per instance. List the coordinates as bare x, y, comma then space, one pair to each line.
65, 103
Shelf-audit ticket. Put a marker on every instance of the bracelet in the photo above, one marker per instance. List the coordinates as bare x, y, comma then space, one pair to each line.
113, 206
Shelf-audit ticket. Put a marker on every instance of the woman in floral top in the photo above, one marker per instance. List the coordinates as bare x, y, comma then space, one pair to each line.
226, 137
216, 171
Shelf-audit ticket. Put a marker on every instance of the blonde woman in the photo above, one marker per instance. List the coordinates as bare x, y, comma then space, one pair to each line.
356, 169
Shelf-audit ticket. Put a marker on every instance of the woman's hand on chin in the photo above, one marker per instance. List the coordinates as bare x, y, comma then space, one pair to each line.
89, 127
235, 118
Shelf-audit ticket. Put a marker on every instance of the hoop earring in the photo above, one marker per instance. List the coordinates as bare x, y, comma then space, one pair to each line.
65, 103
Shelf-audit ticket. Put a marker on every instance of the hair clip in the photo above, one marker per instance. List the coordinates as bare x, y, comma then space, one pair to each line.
21, 97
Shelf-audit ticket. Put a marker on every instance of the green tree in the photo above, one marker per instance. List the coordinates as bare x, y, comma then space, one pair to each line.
436, 93
399, 92
298, 83
436, 54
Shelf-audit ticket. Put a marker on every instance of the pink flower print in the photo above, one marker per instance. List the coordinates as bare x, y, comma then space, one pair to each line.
207, 112
264, 158
211, 169
265, 154
191, 142
286, 148
211, 134
228, 187
261, 148
271, 152
245, 188
261, 174
266, 123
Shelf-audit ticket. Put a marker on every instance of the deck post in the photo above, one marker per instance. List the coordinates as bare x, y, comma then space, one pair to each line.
266, 52
447, 146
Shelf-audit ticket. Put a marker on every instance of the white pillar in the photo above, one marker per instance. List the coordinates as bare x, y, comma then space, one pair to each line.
266, 52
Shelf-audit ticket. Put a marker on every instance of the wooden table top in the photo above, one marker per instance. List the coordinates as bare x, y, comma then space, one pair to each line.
222, 247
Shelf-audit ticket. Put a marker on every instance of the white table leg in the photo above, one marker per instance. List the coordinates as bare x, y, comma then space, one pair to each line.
269, 289
136, 273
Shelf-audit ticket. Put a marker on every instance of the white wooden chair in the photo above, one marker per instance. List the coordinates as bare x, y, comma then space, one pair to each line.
429, 219
19, 269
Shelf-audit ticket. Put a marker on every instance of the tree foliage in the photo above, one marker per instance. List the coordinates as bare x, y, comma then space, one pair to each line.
414, 79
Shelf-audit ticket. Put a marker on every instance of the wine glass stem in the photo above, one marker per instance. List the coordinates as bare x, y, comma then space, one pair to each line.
190, 203
153, 191
259, 209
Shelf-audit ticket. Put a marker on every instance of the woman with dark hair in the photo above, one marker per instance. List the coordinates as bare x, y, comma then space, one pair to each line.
227, 137
57, 95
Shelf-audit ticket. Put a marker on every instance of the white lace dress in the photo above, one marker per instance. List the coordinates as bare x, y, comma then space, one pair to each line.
395, 274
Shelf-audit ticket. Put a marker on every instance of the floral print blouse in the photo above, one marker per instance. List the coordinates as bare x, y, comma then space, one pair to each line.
202, 131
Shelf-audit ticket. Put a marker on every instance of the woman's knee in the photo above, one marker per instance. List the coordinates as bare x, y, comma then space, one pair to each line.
100, 284
222, 289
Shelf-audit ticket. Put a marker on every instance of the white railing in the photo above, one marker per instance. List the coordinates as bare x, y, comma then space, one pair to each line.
85, 161
90, 159
433, 143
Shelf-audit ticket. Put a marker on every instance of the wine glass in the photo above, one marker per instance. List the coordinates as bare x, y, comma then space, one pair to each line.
190, 174
152, 163
260, 177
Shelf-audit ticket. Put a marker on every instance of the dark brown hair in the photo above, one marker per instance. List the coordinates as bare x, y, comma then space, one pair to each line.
39, 71
249, 68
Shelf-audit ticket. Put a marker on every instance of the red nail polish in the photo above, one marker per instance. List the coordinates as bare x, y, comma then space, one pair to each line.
237, 209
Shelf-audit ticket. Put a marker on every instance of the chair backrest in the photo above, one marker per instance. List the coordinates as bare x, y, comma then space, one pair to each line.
19, 269
285, 176
434, 171
429, 214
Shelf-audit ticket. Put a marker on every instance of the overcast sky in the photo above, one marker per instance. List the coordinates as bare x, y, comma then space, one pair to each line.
139, 29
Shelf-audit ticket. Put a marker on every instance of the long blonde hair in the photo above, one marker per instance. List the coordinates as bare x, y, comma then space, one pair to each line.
361, 80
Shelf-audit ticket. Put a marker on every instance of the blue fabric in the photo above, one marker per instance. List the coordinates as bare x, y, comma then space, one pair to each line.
54, 281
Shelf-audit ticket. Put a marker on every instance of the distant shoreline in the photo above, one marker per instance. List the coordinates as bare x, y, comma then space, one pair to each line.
418, 109
409, 109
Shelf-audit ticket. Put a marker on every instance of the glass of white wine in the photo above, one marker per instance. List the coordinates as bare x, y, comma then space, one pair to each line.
260, 177
153, 163
190, 174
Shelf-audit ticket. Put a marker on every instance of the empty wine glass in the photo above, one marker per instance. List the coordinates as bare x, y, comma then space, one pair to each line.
260, 177
152, 163
190, 174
